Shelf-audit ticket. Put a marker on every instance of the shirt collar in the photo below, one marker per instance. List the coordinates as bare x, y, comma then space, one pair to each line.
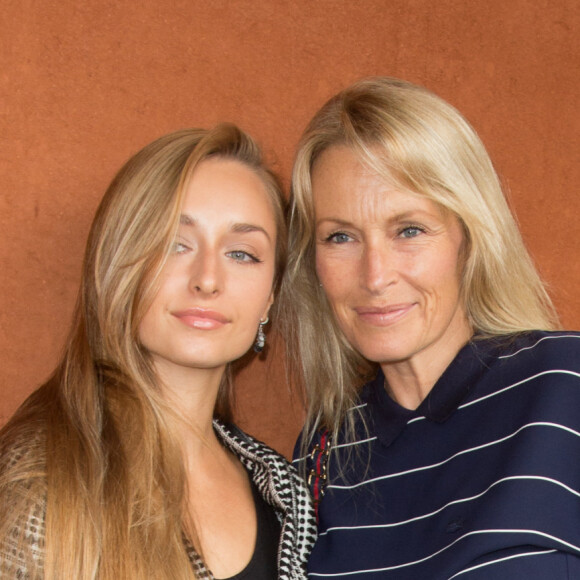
388, 418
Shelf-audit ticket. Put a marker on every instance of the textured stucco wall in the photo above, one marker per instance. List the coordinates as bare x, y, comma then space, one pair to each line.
85, 84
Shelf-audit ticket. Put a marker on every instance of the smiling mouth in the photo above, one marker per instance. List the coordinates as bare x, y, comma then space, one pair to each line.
384, 316
201, 318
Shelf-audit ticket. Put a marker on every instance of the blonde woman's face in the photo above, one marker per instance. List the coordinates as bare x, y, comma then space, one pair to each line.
217, 284
389, 262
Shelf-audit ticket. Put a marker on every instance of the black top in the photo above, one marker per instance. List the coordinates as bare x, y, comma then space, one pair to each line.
264, 562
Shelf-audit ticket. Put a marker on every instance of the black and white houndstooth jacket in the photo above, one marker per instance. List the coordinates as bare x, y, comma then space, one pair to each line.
278, 482
282, 488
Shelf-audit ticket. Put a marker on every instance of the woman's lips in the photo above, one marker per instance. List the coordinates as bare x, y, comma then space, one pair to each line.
383, 316
201, 318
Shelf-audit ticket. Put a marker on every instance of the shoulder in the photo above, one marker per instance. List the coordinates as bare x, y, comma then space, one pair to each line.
531, 377
23, 439
19, 446
22, 502
544, 339
23, 533
541, 350
22, 454
22, 457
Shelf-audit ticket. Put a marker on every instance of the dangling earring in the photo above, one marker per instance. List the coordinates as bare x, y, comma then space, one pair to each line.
261, 337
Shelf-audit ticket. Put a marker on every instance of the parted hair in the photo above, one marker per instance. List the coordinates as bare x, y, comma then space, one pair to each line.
418, 142
96, 440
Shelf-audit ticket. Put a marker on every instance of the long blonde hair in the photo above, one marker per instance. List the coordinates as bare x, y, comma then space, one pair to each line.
96, 439
408, 135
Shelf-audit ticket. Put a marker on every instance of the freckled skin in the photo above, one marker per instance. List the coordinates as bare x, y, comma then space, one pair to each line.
390, 264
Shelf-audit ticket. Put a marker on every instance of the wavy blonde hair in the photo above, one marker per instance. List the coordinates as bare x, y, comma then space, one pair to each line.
417, 141
96, 440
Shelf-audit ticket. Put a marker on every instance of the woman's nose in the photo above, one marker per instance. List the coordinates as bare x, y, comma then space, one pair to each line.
377, 268
206, 276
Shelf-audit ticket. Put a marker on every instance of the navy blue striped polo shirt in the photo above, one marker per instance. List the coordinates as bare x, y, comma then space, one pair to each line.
482, 481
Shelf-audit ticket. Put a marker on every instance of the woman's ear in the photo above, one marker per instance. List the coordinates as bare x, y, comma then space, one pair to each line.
268, 306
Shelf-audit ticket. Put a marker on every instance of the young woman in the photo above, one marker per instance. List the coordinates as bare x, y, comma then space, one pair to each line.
457, 458
125, 464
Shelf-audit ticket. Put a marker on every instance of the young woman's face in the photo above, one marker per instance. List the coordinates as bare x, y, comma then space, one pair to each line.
217, 284
390, 264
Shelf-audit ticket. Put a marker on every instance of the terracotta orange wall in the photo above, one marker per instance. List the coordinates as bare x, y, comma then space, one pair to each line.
85, 84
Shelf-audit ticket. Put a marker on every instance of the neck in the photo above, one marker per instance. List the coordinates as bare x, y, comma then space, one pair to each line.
409, 381
191, 394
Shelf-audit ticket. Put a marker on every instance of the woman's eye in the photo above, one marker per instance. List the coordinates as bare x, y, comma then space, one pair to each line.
338, 238
241, 256
411, 232
179, 248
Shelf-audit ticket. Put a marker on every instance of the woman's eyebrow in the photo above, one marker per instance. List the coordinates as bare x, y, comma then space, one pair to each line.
244, 228
404, 215
239, 228
186, 220
333, 220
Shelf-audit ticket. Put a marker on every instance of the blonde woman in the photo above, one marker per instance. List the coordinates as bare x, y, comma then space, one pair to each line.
125, 464
444, 407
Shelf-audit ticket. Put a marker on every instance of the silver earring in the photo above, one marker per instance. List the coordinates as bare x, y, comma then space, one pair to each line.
261, 337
